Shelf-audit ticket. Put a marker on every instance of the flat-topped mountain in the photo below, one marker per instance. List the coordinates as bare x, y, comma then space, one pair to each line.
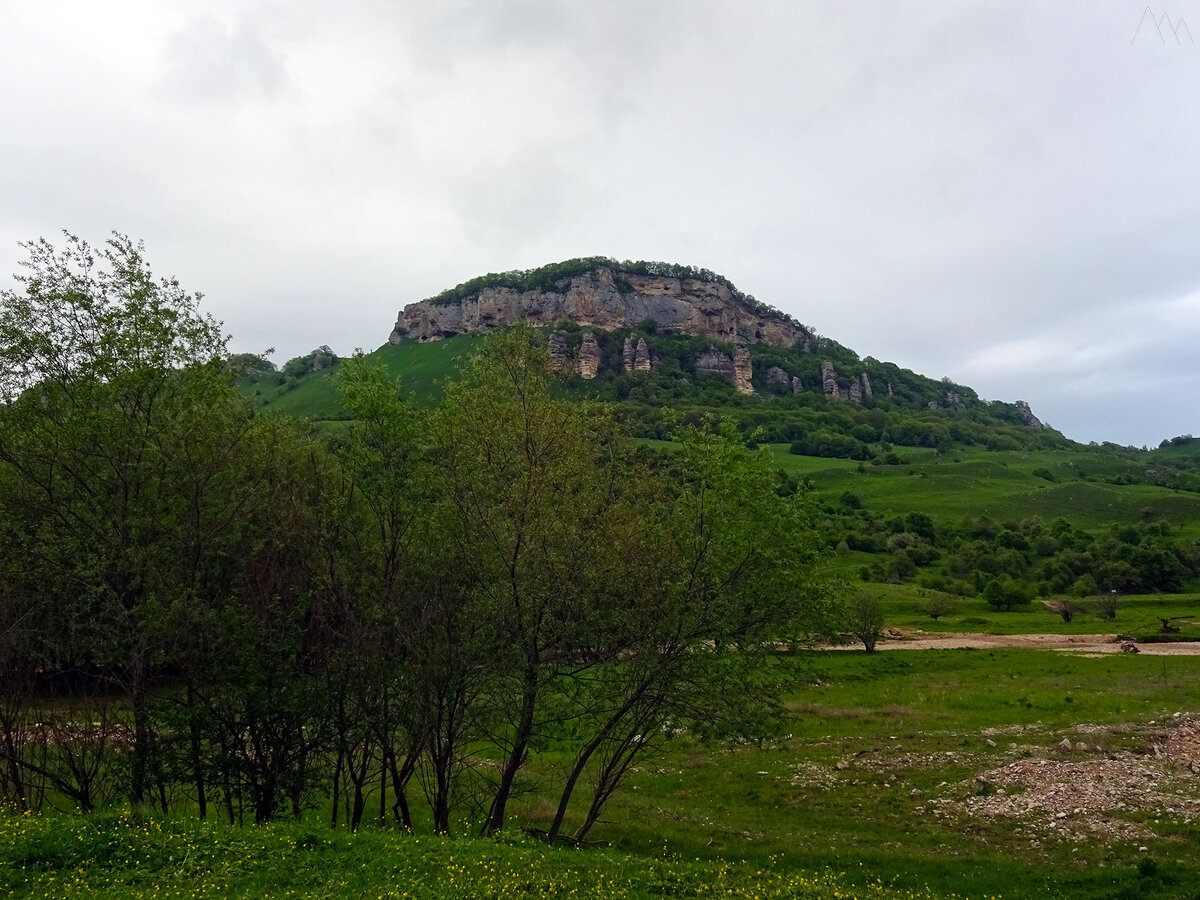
607, 319
604, 294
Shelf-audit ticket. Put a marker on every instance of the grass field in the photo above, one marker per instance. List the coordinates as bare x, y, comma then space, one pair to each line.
1138, 616
119, 857
970, 483
882, 763
422, 368
886, 786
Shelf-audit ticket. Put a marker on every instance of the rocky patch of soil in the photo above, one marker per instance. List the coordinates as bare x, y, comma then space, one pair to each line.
1106, 796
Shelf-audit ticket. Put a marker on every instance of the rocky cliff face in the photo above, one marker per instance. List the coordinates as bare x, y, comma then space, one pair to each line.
560, 359
641, 357
859, 388
607, 300
589, 357
1027, 415
779, 380
743, 371
715, 362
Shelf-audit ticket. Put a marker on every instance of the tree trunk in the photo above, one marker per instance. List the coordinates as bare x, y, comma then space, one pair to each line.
197, 761
358, 775
516, 756
139, 674
611, 773
586, 754
336, 791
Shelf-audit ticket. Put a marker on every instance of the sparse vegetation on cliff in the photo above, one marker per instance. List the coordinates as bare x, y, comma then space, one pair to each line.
555, 277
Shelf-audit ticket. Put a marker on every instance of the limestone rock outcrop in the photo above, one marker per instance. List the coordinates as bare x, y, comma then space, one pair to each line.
627, 354
778, 379
1027, 415
829, 382
560, 359
608, 300
641, 357
743, 371
858, 388
797, 384
589, 357
715, 362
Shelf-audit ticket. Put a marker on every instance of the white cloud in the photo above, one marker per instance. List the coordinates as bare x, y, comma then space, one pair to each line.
212, 63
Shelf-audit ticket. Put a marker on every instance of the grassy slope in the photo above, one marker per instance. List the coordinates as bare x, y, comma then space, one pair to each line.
950, 487
1137, 615
422, 369
968, 483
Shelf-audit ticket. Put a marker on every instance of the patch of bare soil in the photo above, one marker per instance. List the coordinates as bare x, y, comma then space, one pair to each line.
1087, 643
1084, 793
1071, 791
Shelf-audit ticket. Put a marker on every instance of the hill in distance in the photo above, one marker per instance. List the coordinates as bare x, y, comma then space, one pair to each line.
652, 333
660, 341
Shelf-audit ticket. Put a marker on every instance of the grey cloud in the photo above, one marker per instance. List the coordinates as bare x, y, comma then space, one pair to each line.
211, 63
1004, 194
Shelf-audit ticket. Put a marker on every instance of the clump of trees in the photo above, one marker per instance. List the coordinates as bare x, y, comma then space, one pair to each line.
313, 361
210, 610
1010, 563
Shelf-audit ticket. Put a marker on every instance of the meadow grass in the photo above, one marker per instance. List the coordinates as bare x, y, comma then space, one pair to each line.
126, 857
839, 807
969, 483
1138, 615
422, 369
915, 727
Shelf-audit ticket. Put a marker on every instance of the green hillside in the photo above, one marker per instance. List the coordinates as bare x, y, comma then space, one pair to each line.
1003, 484
1015, 512
421, 368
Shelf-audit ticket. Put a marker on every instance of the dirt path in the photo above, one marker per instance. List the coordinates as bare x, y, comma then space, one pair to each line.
1086, 643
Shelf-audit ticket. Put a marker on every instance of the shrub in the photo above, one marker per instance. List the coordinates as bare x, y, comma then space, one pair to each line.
937, 606
866, 620
1065, 608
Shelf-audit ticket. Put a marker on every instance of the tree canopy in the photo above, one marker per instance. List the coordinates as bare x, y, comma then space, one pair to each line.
253, 619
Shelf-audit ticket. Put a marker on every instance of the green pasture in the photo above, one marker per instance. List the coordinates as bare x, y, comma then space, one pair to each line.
125, 857
971, 483
422, 369
1138, 616
908, 729
864, 796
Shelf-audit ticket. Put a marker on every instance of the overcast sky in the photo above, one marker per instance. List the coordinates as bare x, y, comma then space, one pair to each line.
1002, 193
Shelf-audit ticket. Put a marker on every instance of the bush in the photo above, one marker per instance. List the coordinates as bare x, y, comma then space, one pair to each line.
1004, 593
866, 620
937, 606
1064, 608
